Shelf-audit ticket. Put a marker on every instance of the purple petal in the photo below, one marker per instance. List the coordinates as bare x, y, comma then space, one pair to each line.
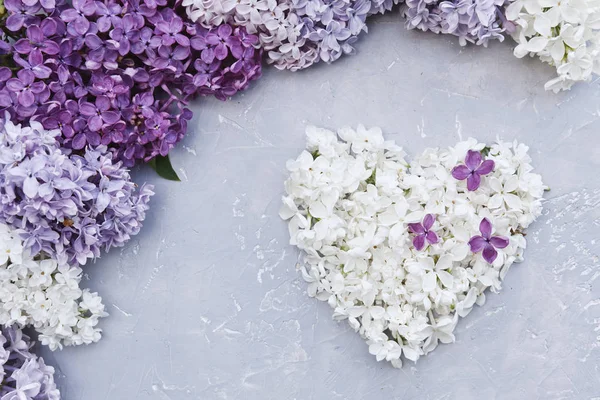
489, 253
485, 227
499, 242
486, 167
428, 221
473, 159
416, 228
473, 182
432, 237
111, 117
78, 142
221, 51
461, 172
477, 243
419, 242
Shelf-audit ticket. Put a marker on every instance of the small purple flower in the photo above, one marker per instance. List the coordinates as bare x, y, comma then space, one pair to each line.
99, 114
25, 87
473, 169
423, 233
487, 242
37, 39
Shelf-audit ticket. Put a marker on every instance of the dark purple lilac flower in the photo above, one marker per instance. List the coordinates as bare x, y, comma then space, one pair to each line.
473, 169
37, 38
25, 86
25, 376
487, 242
422, 232
84, 62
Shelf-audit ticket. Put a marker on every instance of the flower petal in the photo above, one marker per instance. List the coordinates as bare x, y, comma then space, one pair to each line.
473, 159
428, 221
461, 172
432, 237
473, 182
499, 242
419, 242
490, 253
416, 228
486, 167
477, 243
485, 227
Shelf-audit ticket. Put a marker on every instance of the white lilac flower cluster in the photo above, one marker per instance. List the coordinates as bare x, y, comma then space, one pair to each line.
293, 33
355, 205
562, 33
38, 292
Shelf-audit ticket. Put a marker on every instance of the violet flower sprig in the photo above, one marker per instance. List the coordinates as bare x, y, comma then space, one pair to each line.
472, 21
25, 376
67, 205
118, 74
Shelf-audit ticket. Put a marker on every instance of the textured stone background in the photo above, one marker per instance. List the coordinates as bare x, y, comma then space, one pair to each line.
206, 304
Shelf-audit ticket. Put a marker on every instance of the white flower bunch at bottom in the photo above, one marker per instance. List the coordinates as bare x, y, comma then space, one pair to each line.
41, 293
357, 209
562, 33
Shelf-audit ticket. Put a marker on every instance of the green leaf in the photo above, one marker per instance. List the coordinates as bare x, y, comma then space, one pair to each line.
485, 151
162, 166
372, 179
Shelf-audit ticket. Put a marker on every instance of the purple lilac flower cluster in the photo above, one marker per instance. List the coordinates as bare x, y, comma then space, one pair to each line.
117, 73
472, 21
68, 205
24, 375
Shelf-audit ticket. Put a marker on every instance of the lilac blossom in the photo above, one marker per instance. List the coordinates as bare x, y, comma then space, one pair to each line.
472, 21
423, 234
70, 206
473, 169
81, 63
25, 376
487, 242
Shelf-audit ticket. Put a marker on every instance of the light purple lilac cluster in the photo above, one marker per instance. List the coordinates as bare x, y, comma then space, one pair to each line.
24, 376
472, 21
67, 205
117, 73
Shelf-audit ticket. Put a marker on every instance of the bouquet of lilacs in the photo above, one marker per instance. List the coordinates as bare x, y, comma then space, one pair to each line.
24, 375
402, 251
295, 34
117, 73
40, 292
67, 205
564, 34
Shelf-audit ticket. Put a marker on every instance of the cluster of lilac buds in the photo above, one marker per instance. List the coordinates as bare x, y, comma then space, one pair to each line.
67, 205
25, 376
117, 73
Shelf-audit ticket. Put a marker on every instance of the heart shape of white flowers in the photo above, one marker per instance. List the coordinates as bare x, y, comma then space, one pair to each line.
350, 200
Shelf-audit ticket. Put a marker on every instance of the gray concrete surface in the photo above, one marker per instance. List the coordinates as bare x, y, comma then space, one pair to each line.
206, 304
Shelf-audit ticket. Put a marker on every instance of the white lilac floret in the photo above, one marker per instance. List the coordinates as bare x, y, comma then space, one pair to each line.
41, 293
355, 208
68, 205
564, 34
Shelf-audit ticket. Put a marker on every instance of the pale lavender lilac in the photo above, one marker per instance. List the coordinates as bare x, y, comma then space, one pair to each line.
487, 243
24, 375
473, 169
472, 21
90, 67
423, 232
67, 205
